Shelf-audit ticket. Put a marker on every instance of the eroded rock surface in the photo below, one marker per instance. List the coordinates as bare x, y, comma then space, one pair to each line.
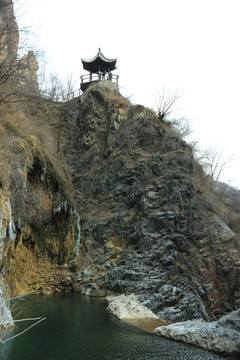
128, 307
146, 224
140, 219
220, 336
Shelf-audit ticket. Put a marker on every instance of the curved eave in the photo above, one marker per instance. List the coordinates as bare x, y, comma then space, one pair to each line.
99, 65
99, 62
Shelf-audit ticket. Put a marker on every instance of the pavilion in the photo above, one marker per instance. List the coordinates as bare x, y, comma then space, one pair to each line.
100, 69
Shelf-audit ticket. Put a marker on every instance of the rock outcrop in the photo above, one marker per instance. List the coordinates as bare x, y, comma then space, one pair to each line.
26, 76
38, 222
145, 226
39, 225
130, 213
128, 307
17, 76
6, 320
220, 336
9, 34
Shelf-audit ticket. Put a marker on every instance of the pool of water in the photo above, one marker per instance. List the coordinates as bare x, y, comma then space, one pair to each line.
77, 327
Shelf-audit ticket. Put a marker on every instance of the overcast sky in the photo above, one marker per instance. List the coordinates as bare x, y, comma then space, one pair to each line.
189, 46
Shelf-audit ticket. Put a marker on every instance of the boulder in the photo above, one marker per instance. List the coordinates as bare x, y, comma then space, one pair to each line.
221, 336
128, 307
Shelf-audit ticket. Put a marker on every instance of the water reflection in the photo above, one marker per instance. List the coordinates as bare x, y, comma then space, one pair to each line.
79, 328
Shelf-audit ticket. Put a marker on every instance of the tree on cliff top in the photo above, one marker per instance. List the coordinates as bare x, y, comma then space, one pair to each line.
213, 161
165, 103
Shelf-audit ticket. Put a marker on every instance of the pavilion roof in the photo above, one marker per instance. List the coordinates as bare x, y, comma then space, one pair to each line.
99, 63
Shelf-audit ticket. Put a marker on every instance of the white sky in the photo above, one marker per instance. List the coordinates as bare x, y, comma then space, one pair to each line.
191, 46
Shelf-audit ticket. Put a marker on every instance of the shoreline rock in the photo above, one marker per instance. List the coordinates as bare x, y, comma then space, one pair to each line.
222, 336
6, 320
128, 307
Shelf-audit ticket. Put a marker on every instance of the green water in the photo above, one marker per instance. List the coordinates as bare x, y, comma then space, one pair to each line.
80, 328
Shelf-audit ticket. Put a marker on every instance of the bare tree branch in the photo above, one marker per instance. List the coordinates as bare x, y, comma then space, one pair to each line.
165, 102
213, 161
22, 332
12, 69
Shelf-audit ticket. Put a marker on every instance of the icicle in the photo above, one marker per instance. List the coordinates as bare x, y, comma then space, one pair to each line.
11, 227
61, 207
78, 237
76, 250
1, 238
19, 225
1, 226
57, 210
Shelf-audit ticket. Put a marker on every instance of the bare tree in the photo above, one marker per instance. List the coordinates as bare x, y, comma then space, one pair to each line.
54, 88
182, 126
165, 102
213, 162
4, 338
11, 67
7, 323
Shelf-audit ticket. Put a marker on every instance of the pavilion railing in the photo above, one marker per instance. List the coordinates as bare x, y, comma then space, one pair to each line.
96, 77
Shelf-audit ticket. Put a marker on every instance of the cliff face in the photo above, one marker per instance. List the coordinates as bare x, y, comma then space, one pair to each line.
39, 227
144, 227
149, 224
38, 223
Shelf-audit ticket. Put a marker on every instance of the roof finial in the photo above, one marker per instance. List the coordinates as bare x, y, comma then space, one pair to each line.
99, 50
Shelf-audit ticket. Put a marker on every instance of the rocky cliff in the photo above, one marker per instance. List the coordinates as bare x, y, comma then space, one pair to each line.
101, 196
147, 224
38, 222
9, 33
39, 226
18, 74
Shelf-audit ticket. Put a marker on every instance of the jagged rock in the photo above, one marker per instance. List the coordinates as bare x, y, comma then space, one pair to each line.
15, 74
9, 34
220, 336
27, 74
38, 223
145, 226
138, 193
220, 229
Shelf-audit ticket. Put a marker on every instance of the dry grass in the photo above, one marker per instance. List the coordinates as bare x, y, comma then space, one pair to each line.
27, 132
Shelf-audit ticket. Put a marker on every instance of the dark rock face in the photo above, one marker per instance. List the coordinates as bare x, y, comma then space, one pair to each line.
38, 222
142, 226
141, 229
